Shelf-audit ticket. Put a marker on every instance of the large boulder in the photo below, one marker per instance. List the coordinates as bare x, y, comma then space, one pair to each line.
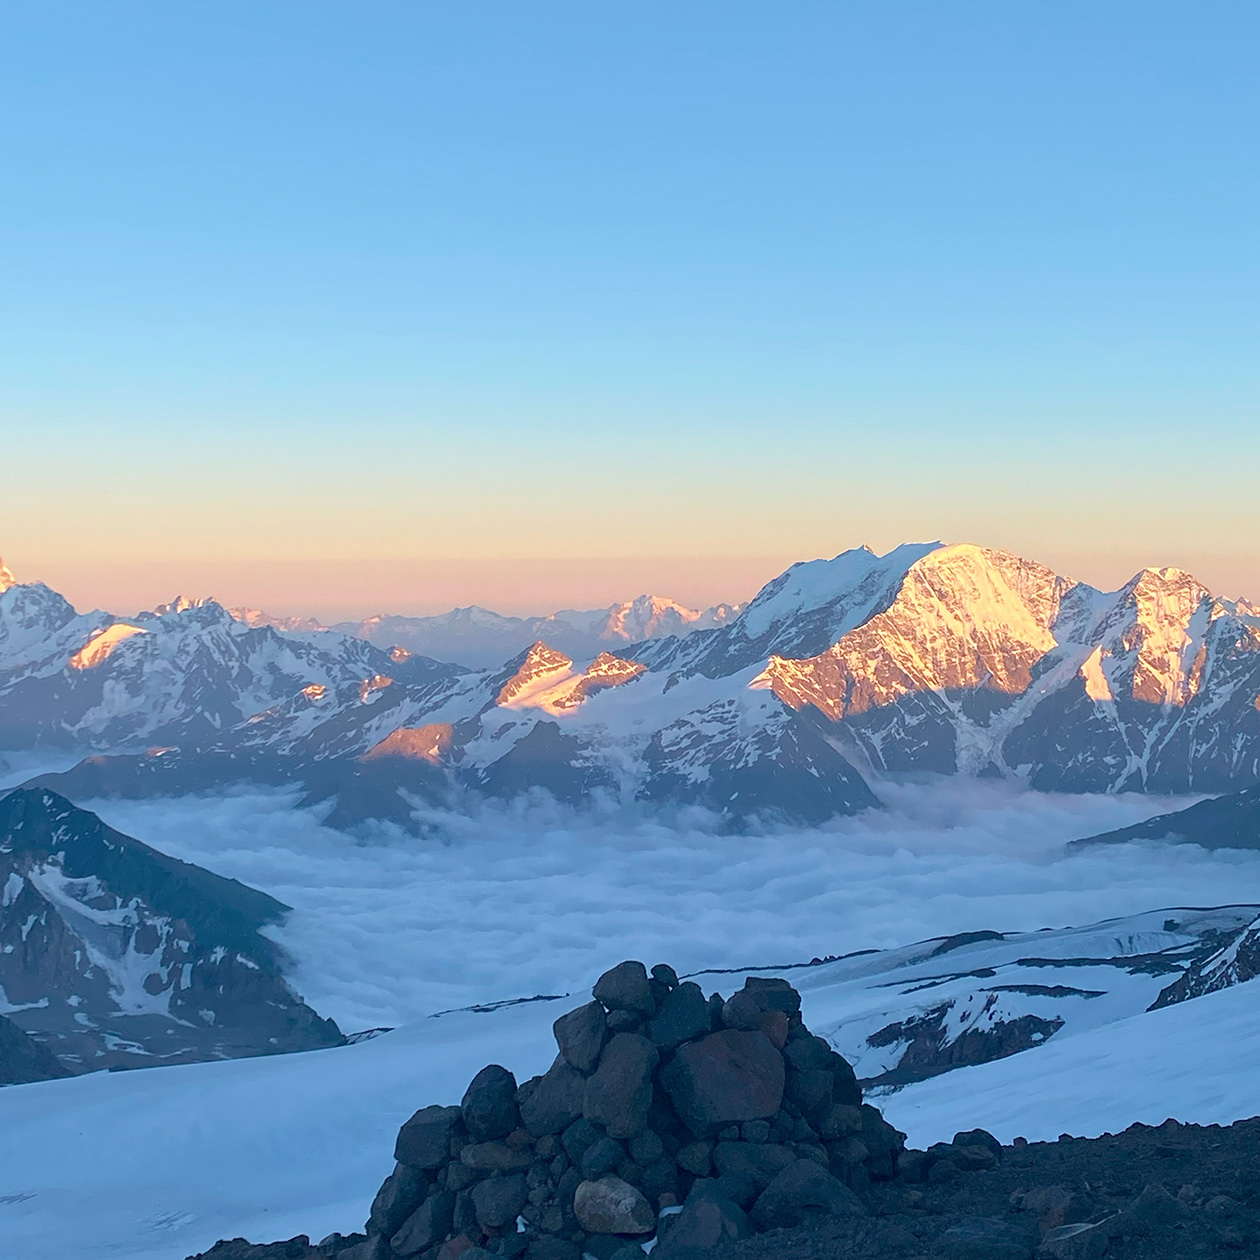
773, 994
400, 1194
683, 1014
725, 1078
499, 1201
758, 1162
428, 1224
581, 1035
425, 1140
551, 1102
612, 1206
489, 1106
619, 1093
804, 1189
706, 1222
626, 988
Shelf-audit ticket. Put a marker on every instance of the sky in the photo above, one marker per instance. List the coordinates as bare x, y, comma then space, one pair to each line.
349, 309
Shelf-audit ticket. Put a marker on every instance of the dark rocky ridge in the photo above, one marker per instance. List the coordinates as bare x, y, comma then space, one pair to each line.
115, 955
724, 1128
1225, 822
23, 1059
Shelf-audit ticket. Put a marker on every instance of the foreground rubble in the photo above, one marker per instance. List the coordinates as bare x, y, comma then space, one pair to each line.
702, 1126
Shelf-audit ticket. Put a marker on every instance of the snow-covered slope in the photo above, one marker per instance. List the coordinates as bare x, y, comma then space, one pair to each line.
155, 1165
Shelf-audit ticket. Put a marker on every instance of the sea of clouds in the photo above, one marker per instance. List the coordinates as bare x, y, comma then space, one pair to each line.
390, 927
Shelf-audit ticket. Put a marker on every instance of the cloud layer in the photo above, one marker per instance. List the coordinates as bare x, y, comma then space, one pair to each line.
509, 903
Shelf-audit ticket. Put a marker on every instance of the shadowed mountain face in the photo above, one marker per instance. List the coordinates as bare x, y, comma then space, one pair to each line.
23, 1059
1228, 822
932, 659
114, 955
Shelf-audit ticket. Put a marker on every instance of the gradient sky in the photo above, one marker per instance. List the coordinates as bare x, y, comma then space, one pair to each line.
346, 308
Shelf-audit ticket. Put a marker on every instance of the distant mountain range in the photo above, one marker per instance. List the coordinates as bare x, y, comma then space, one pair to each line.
478, 638
932, 659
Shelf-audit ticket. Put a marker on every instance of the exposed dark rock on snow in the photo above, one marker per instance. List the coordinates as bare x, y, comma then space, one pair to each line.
1237, 960
930, 1049
824, 1180
115, 955
24, 1059
1226, 822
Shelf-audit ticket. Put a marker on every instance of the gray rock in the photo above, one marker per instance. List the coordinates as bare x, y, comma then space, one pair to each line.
499, 1201
551, 1248
801, 1191
759, 1162
646, 1148
696, 1158
810, 1091
580, 1135
459, 1176
984, 1238
625, 988
725, 1078
1075, 1242
581, 1035
550, 1103
624, 1021
704, 1223
601, 1157
740, 1011
846, 1089
495, 1157
838, 1121
740, 1190
683, 1014
374, 1248
619, 1093
489, 1105
756, 1130
425, 1140
400, 1194
428, 1224
1154, 1210
978, 1137
664, 974
612, 1206
808, 1054
773, 994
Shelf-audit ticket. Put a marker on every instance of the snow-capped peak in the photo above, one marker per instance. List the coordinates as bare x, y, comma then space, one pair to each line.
542, 667
814, 584
656, 617
182, 604
6, 576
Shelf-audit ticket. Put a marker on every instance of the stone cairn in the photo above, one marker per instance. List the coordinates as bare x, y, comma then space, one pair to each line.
695, 1121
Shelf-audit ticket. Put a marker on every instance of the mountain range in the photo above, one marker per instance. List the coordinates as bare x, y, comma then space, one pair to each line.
478, 638
932, 659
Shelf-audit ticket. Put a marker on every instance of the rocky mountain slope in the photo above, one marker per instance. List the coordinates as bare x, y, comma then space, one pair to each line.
114, 955
931, 659
1231, 821
23, 1059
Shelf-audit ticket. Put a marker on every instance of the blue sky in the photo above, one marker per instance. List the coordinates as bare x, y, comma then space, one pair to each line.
403, 305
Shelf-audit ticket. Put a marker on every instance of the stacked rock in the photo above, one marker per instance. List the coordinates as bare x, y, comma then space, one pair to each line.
665, 1115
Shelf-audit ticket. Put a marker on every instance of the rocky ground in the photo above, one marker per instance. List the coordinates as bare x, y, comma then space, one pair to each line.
703, 1128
